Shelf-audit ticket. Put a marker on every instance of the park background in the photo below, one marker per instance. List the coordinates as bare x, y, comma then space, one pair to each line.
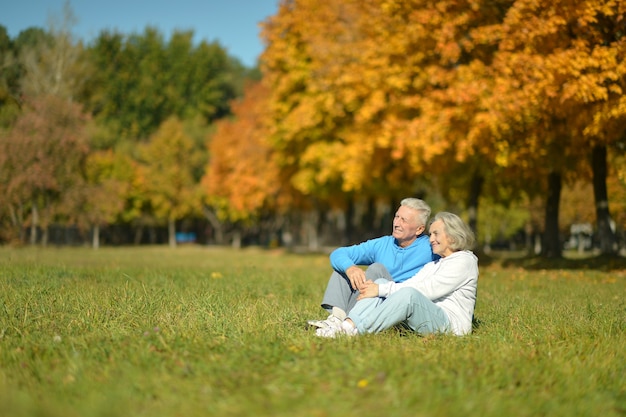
509, 113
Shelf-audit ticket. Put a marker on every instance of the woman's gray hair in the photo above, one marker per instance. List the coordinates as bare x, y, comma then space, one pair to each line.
459, 233
420, 206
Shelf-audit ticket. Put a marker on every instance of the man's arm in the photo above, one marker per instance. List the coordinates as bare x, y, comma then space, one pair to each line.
362, 254
347, 259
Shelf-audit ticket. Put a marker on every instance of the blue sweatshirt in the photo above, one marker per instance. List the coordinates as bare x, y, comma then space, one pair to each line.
402, 263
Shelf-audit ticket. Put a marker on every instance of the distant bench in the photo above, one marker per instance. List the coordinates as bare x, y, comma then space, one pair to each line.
185, 237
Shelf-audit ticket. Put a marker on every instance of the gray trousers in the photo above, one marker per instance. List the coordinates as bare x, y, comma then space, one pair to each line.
339, 293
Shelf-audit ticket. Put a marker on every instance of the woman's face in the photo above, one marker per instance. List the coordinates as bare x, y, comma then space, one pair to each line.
439, 239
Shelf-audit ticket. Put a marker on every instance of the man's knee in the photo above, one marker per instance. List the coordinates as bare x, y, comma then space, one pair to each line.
377, 270
337, 277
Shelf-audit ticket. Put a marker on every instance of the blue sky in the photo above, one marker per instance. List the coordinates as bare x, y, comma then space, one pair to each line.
233, 23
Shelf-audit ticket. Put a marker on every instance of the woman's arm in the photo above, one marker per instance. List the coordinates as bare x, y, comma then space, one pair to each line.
437, 279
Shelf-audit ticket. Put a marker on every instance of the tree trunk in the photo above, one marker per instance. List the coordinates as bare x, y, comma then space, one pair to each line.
551, 247
171, 231
369, 227
215, 224
236, 243
45, 224
472, 201
95, 238
605, 232
138, 235
311, 222
529, 233
34, 223
17, 218
349, 230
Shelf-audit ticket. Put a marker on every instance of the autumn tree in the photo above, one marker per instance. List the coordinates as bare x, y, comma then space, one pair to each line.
333, 75
330, 81
375, 98
242, 181
431, 119
559, 70
167, 172
102, 198
49, 137
42, 159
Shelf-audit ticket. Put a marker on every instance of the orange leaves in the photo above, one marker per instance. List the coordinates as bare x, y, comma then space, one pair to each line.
243, 176
373, 105
318, 165
402, 88
593, 75
355, 54
566, 65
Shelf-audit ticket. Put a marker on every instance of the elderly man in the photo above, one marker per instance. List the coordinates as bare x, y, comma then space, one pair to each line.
395, 257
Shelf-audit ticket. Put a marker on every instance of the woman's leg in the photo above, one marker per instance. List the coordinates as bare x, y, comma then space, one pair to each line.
406, 305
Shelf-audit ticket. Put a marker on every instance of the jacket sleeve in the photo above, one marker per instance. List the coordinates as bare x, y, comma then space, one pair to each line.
361, 254
436, 279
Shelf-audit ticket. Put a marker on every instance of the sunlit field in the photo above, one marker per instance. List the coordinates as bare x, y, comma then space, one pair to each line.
201, 331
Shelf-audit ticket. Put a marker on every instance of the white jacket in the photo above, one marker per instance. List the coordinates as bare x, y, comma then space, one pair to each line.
450, 283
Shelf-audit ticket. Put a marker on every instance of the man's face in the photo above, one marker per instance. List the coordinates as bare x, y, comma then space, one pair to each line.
406, 227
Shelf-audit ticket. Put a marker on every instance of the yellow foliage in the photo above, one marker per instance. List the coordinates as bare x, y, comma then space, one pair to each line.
367, 89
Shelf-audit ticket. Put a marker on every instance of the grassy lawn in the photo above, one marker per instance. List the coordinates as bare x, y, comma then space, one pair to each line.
199, 331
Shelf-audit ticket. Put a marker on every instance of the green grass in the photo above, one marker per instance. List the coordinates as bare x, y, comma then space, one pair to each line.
201, 331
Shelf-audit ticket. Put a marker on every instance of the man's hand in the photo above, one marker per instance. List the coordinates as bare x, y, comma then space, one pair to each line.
356, 276
368, 290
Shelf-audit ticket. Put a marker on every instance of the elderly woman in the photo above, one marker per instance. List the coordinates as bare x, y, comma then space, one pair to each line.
440, 298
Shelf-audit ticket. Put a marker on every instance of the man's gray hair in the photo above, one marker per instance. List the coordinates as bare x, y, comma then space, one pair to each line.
420, 206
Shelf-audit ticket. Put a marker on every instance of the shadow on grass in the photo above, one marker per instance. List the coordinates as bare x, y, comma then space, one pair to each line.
604, 263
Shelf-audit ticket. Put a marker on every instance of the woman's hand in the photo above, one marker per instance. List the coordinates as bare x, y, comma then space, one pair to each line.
368, 290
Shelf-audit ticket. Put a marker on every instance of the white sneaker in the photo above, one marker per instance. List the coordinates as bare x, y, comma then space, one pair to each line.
330, 332
344, 329
331, 321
